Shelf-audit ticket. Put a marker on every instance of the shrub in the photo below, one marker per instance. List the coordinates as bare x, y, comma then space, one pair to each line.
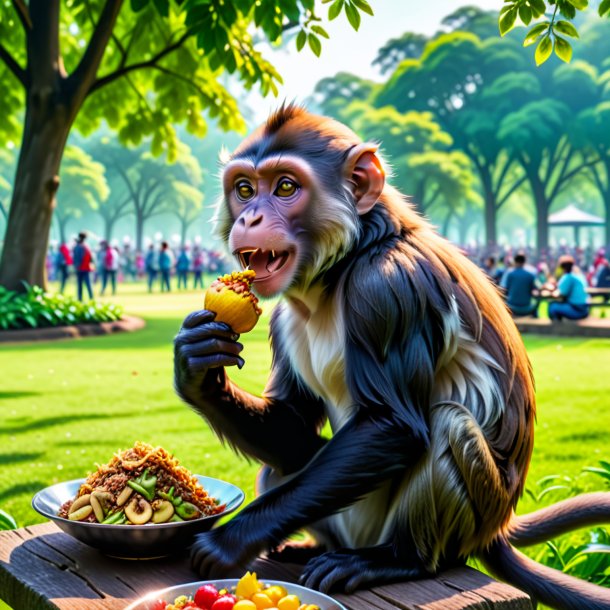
6, 521
39, 309
587, 554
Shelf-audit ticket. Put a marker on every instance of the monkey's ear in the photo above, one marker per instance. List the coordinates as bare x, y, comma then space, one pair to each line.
365, 176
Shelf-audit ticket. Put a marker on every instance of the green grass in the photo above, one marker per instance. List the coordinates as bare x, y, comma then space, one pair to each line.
67, 405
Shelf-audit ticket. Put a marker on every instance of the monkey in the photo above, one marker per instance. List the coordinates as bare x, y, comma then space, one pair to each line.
387, 331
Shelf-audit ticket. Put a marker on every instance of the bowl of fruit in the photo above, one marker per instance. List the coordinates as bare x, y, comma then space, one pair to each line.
246, 593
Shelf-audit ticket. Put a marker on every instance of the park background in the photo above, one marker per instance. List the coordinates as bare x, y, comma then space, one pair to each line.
486, 143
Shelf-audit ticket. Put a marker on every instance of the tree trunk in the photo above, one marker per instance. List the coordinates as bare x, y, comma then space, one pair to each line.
61, 224
542, 213
447, 223
46, 129
139, 232
108, 228
184, 225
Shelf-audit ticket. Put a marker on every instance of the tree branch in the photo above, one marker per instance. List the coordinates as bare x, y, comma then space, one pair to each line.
80, 81
500, 181
151, 63
23, 12
512, 189
13, 66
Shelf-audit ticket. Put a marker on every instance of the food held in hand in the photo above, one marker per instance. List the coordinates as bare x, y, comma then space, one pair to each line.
142, 485
249, 594
230, 298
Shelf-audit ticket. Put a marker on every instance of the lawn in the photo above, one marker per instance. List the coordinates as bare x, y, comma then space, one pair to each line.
67, 405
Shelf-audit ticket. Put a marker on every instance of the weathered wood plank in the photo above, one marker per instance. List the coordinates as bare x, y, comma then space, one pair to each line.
43, 568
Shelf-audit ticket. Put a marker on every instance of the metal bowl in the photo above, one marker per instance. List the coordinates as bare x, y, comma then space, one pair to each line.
135, 541
307, 596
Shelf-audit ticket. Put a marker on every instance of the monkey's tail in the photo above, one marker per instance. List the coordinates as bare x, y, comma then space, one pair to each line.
560, 518
545, 585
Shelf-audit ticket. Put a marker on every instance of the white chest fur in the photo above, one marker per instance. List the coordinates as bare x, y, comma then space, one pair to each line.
316, 346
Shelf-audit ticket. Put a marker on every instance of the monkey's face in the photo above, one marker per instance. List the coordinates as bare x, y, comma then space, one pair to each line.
268, 202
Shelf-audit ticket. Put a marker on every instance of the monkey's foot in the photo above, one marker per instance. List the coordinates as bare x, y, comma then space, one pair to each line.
346, 570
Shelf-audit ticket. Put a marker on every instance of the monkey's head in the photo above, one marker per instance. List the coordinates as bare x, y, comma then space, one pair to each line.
294, 192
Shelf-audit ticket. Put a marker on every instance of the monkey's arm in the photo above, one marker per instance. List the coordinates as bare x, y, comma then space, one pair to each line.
390, 362
281, 429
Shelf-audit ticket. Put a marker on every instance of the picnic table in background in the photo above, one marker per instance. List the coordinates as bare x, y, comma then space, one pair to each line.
42, 568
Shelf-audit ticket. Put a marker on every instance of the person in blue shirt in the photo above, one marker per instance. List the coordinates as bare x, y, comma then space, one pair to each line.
573, 290
519, 284
166, 264
183, 266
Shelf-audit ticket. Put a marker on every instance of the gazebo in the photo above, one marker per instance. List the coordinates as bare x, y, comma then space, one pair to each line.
571, 216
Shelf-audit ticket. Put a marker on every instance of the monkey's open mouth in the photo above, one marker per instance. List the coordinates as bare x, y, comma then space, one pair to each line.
262, 262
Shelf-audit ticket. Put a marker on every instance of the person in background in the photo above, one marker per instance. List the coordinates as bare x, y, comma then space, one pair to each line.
129, 263
182, 267
491, 268
198, 267
572, 288
151, 265
100, 253
519, 284
140, 265
83, 264
166, 262
111, 264
63, 260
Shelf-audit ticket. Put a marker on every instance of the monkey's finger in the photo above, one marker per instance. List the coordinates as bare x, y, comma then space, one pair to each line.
198, 317
354, 582
330, 579
210, 347
209, 329
201, 365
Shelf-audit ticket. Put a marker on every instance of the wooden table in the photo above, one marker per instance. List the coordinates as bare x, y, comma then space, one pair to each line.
42, 568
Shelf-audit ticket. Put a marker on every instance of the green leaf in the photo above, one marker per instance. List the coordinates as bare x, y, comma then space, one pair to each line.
138, 5
581, 5
535, 33
364, 6
507, 21
567, 28
538, 7
353, 16
162, 7
335, 9
6, 521
604, 8
301, 40
314, 44
525, 14
563, 49
318, 29
543, 50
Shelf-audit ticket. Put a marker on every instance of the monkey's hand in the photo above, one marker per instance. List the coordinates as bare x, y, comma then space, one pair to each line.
201, 349
225, 551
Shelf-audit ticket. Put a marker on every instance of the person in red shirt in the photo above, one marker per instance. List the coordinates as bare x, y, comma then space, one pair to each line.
83, 265
63, 260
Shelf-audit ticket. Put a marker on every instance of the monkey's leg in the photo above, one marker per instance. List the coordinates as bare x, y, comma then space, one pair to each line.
350, 569
321, 537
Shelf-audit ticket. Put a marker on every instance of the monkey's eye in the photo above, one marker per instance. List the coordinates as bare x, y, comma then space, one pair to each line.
286, 188
244, 190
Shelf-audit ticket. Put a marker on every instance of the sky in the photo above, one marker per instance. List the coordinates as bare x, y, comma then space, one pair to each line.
350, 51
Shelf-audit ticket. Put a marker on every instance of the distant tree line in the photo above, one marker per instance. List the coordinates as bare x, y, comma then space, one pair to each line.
469, 122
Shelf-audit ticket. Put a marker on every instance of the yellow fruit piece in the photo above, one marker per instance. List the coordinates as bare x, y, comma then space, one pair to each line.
262, 601
244, 604
289, 602
275, 593
248, 585
309, 607
234, 309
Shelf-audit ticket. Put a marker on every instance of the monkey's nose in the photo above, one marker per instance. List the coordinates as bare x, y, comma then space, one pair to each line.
251, 220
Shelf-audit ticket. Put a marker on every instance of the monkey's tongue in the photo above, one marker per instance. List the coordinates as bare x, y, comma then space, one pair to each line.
265, 262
